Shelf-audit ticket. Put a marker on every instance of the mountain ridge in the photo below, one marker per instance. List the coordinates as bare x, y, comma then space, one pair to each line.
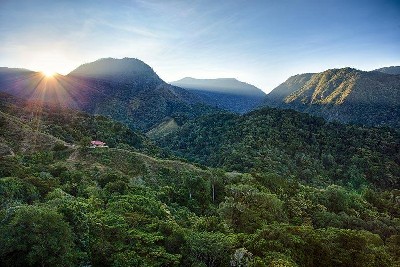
347, 95
128, 90
131, 92
116, 70
394, 70
227, 93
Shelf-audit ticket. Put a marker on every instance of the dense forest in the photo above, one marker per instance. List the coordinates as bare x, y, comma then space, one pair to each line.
291, 144
280, 189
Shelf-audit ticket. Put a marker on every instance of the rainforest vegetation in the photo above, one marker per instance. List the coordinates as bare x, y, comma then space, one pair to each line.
268, 188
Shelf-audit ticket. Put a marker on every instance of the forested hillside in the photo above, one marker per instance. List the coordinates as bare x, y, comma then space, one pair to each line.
66, 125
346, 95
293, 144
69, 205
129, 91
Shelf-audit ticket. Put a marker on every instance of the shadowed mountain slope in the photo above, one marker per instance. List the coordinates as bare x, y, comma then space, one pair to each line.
226, 93
127, 90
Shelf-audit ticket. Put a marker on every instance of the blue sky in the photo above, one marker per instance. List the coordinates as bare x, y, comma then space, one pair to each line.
259, 42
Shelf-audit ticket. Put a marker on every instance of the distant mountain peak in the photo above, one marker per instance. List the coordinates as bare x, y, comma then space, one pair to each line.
126, 89
343, 94
13, 70
226, 93
332, 86
8, 68
225, 85
114, 69
208, 79
394, 70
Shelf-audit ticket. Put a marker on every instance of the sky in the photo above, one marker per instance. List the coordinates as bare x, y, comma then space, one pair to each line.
259, 42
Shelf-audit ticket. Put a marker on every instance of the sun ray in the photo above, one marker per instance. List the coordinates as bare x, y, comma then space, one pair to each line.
48, 73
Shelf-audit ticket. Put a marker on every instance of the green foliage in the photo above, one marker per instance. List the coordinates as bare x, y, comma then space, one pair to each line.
307, 199
16, 190
84, 141
10, 166
246, 208
120, 208
35, 236
291, 144
71, 126
325, 247
209, 249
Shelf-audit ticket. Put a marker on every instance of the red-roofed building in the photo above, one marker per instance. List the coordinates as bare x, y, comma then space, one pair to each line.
96, 143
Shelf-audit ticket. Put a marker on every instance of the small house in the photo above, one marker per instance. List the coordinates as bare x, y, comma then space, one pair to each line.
96, 143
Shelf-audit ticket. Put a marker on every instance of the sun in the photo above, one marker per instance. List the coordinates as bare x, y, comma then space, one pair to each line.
49, 73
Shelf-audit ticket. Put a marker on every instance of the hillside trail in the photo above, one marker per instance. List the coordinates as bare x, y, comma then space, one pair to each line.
73, 156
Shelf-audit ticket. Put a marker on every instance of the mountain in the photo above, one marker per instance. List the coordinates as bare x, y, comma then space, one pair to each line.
127, 90
20, 82
12, 74
395, 70
346, 95
125, 71
291, 85
225, 93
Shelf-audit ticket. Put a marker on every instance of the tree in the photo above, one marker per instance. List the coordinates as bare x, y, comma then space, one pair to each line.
241, 258
35, 236
246, 208
14, 189
208, 249
85, 142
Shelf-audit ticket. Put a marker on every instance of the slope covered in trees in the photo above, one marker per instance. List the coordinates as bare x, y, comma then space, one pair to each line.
129, 91
291, 144
30, 125
113, 207
346, 95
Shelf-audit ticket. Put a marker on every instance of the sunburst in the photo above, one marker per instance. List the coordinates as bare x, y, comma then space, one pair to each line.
48, 73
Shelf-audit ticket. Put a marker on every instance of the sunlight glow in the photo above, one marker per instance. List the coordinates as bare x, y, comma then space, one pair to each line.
48, 73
